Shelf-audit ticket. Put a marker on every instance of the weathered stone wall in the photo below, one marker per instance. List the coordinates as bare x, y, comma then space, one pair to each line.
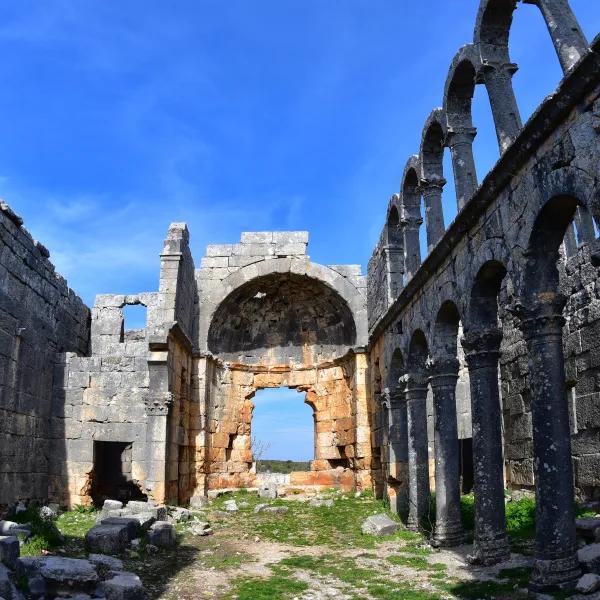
336, 393
582, 348
556, 155
40, 317
269, 317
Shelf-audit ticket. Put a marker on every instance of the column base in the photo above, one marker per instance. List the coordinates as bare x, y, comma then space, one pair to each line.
554, 574
449, 536
490, 552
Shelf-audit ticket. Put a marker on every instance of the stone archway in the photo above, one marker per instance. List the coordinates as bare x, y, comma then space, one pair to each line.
294, 328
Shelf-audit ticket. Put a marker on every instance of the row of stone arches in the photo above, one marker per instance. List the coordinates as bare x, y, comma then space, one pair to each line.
486, 61
426, 355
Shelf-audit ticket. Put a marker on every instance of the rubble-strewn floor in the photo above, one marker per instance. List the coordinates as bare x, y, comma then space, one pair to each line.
314, 553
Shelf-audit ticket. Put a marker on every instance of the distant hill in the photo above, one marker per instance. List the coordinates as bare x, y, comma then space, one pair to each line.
282, 466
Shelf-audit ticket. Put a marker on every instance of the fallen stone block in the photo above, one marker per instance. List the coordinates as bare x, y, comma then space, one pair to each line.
260, 507
589, 558
138, 506
276, 510
588, 528
49, 512
111, 505
132, 524
107, 538
379, 524
123, 586
7, 526
321, 502
199, 502
159, 512
106, 562
179, 514
8, 589
162, 534
68, 574
144, 519
230, 506
200, 528
268, 491
9, 551
588, 583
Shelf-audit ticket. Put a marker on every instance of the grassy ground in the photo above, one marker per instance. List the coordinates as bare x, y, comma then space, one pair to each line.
308, 553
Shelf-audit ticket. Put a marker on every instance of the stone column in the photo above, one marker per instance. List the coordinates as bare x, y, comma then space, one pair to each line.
411, 221
482, 351
460, 142
567, 36
418, 460
498, 82
434, 216
157, 439
448, 525
158, 406
556, 545
398, 450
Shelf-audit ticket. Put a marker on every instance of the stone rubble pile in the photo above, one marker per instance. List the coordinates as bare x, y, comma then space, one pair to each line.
48, 577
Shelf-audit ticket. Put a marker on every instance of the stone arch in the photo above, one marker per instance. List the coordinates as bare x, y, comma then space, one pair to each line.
482, 350
416, 409
540, 311
411, 215
494, 20
458, 98
352, 296
491, 38
280, 317
395, 249
444, 369
431, 158
446, 330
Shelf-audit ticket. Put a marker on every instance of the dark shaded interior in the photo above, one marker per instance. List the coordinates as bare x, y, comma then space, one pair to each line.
111, 476
282, 317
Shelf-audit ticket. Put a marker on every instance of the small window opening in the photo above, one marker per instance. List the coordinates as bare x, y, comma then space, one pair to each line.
134, 316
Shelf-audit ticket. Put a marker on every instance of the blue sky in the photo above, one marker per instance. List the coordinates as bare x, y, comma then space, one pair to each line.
117, 118
282, 420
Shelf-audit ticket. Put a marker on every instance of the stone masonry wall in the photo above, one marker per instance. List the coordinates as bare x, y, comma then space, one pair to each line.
40, 317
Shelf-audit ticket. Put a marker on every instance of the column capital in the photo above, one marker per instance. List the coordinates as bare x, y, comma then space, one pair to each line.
443, 370
414, 385
159, 404
460, 135
542, 316
481, 345
492, 66
411, 221
433, 183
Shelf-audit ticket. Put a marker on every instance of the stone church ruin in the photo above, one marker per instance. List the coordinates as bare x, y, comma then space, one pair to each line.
475, 367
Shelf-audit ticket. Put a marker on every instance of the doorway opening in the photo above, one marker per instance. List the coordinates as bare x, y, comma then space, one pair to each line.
283, 431
112, 474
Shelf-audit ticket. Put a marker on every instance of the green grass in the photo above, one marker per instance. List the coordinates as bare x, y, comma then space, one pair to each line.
45, 535
279, 586
306, 525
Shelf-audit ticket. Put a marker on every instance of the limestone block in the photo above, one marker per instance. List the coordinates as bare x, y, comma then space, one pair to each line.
107, 538
68, 574
589, 558
108, 562
588, 583
268, 491
9, 550
379, 524
162, 534
123, 586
